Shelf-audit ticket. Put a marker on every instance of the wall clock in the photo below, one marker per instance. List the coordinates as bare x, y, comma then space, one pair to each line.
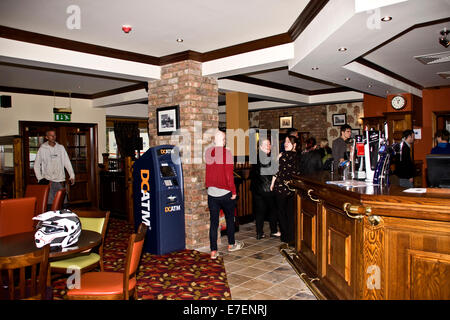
398, 102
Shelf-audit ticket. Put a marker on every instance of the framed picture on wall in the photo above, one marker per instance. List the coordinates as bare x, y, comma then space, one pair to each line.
339, 119
355, 132
286, 122
167, 120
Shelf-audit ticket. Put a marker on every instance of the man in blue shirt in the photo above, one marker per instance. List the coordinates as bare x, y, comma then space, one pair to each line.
443, 147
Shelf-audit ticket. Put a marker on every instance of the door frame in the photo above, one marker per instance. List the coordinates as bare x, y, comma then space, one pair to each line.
93, 128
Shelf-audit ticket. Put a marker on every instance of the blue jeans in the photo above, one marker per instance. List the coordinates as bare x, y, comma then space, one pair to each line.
215, 204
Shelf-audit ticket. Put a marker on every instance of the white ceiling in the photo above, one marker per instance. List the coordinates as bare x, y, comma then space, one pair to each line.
207, 25
282, 76
398, 56
204, 25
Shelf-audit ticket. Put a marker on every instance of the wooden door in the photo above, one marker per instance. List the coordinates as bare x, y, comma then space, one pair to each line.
79, 141
397, 123
76, 140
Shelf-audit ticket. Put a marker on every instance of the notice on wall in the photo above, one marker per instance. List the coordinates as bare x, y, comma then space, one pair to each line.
417, 134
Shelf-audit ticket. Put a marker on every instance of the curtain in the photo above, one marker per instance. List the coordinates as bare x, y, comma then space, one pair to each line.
127, 137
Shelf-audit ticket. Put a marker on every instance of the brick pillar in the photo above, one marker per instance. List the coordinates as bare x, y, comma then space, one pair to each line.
183, 84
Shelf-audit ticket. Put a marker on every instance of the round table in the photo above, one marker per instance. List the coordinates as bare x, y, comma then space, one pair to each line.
21, 243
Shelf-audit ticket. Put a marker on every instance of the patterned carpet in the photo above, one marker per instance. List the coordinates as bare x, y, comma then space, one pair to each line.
181, 275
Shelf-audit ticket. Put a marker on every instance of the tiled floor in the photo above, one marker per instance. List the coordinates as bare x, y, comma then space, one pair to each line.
258, 271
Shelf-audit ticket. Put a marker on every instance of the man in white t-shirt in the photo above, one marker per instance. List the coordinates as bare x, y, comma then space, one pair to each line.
51, 159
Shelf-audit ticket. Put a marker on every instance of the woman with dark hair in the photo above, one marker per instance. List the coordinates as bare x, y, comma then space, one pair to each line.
284, 196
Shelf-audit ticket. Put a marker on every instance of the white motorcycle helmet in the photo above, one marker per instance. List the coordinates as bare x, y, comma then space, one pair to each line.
57, 228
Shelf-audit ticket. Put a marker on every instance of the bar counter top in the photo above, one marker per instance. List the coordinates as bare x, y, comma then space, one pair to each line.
370, 242
435, 201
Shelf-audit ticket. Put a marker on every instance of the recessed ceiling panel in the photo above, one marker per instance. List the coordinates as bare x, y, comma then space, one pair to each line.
401, 56
29, 78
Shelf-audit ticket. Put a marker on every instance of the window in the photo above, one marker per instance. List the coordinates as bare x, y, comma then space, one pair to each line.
111, 145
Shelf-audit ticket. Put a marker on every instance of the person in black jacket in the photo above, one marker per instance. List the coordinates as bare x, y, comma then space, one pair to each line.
263, 199
284, 195
311, 160
404, 166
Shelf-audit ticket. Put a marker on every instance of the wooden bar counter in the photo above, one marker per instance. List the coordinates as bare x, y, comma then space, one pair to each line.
371, 242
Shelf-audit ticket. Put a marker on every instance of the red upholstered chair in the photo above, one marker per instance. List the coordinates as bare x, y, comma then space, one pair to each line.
16, 215
58, 200
40, 192
24, 276
113, 285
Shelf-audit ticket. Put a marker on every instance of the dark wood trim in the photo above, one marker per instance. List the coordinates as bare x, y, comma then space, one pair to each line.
438, 87
419, 25
305, 77
306, 16
55, 42
181, 56
331, 90
305, 105
258, 44
265, 71
268, 84
279, 86
45, 92
133, 87
250, 99
67, 72
378, 68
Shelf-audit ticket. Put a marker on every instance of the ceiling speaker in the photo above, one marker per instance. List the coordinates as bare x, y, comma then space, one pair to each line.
5, 101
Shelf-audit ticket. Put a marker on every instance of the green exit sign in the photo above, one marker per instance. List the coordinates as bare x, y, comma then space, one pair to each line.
62, 116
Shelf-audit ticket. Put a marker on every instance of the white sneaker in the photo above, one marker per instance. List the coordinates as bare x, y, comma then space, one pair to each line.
214, 254
238, 245
276, 235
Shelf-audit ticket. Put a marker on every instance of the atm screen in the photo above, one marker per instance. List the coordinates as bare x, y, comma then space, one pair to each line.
166, 171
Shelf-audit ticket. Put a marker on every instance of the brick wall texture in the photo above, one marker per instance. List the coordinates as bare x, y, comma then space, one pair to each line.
305, 119
197, 96
317, 120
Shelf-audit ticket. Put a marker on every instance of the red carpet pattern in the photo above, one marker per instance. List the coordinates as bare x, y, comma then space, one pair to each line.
181, 275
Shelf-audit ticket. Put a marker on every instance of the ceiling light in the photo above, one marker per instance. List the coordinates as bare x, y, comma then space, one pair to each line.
180, 40
341, 49
386, 19
369, 86
443, 38
347, 79
315, 68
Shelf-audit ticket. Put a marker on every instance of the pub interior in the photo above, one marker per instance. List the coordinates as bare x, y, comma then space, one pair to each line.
124, 86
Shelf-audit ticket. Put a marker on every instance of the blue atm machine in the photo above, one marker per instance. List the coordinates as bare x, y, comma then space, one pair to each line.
159, 199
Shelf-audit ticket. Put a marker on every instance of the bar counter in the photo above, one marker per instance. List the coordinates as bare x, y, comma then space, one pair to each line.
371, 242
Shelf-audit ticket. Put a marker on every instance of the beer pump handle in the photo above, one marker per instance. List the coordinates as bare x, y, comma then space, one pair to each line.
386, 130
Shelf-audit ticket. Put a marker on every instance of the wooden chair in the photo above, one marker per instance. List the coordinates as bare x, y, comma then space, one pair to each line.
16, 215
40, 192
93, 220
113, 285
25, 275
58, 200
